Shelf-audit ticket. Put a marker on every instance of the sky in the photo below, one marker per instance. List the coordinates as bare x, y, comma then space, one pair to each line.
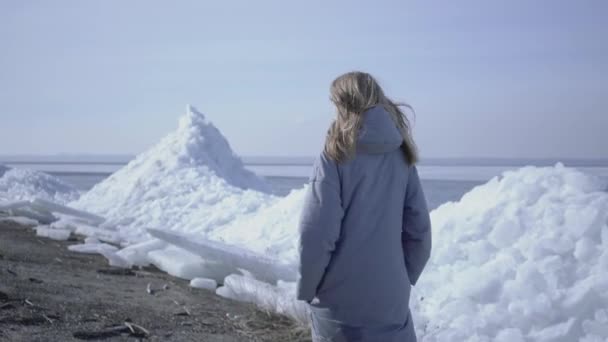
503, 78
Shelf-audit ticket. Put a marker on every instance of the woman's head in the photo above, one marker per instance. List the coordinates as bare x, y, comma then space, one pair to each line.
353, 93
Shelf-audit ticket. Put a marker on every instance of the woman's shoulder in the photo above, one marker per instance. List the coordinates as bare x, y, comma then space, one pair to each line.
324, 168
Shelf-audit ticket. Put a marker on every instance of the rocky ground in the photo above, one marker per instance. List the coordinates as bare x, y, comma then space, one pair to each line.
48, 293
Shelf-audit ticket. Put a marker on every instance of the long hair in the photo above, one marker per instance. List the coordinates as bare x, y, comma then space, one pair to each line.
353, 93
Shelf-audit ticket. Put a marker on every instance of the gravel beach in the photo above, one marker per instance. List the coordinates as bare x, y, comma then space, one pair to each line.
48, 293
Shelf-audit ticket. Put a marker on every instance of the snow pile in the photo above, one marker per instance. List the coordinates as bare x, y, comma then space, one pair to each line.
191, 182
25, 184
523, 257
270, 231
263, 242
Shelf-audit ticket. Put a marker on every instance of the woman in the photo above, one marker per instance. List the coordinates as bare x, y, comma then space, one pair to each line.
365, 229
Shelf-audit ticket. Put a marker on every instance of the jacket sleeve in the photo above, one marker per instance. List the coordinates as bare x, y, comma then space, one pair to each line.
416, 235
320, 226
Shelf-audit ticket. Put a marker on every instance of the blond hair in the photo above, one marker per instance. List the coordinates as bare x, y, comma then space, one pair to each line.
353, 93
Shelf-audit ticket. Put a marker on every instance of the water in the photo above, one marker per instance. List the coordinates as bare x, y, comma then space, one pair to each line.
443, 180
82, 181
437, 191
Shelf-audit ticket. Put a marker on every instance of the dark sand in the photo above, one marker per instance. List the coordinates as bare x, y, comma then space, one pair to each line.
48, 293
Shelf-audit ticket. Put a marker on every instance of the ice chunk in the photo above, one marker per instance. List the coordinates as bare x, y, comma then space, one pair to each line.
91, 240
9, 205
40, 203
38, 214
180, 263
66, 223
204, 283
279, 299
116, 260
101, 234
93, 248
52, 233
108, 251
137, 254
230, 258
24, 221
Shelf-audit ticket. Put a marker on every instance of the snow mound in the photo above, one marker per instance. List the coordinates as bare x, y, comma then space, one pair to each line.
191, 181
270, 231
26, 185
523, 257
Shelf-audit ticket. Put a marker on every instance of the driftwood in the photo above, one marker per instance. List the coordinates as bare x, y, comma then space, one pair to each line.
100, 334
116, 271
134, 330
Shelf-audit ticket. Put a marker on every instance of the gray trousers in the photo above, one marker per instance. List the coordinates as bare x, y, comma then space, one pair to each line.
326, 329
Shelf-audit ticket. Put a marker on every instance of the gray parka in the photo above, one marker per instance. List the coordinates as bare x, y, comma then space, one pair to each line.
365, 238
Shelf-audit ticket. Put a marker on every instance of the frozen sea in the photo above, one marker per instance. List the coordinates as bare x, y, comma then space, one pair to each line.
443, 180
437, 191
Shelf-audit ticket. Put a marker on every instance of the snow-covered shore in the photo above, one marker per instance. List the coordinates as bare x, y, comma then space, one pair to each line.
522, 257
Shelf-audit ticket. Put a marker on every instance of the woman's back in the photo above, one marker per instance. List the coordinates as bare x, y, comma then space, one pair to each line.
365, 236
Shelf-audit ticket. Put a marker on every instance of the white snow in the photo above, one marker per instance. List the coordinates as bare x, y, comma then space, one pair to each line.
203, 283
270, 231
191, 182
523, 251
24, 184
93, 248
523, 257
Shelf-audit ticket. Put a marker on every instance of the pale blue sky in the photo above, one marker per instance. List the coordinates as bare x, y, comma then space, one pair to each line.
487, 78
